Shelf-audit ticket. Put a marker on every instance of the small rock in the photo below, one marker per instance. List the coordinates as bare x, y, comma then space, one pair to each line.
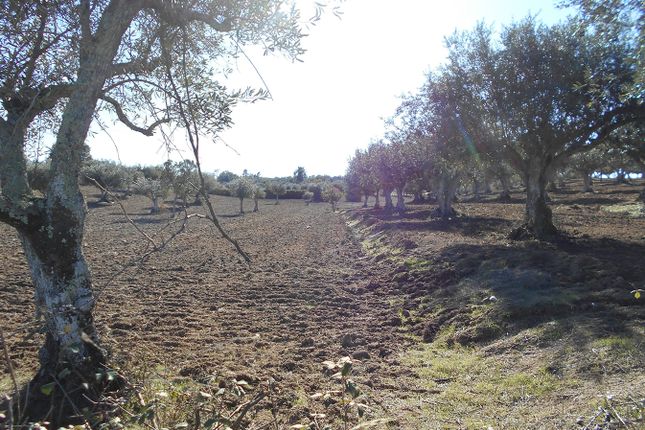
361, 355
307, 342
373, 286
580, 421
348, 340
409, 244
289, 366
405, 313
395, 322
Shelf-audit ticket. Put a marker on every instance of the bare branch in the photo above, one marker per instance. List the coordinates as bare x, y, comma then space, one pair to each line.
124, 119
135, 67
19, 217
193, 139
173, 13
594, 134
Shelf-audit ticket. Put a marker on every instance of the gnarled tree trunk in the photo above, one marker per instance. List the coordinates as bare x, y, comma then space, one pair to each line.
448, 184
367, 195
387, 193
377, 203
505, 182
587, 182
538, 215
400, 200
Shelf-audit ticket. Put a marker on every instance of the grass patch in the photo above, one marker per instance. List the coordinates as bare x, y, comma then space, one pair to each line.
634, 210
475, 390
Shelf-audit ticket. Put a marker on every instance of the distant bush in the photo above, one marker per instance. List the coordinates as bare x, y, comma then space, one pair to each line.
107, 174
291, 194
225, 177
153, 172
316, 190
38, 176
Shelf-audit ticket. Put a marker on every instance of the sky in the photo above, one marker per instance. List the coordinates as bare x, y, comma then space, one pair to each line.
352, 77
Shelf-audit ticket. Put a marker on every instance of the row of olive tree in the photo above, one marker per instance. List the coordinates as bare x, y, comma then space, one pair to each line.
528, 99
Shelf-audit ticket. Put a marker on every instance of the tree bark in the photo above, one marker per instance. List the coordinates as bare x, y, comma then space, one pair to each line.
504, 180
377, 203
367, 195
476, 189
587, 182
52, 242
538, 216
387, 193
400, 200
255, 205
241, 205
448, 184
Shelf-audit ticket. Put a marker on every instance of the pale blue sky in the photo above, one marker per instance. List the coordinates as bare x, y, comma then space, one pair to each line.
353, 74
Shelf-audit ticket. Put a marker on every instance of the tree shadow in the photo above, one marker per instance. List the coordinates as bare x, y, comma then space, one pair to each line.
591, 200
535, 283
423, 220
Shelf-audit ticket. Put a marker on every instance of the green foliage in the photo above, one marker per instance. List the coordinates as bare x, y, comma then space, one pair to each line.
241, 188
345, 395
38, 176
299, 175
154, 189
226, 176
108, 175
183, 178
276, 189
332, 194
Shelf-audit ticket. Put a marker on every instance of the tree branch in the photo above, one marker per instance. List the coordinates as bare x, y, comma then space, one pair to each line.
20, 217
135, 67
602, 128
86, 29
125, 120
174, 14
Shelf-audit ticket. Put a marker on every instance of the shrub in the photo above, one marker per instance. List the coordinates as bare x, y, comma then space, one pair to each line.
225, 177
107, 174
38, 176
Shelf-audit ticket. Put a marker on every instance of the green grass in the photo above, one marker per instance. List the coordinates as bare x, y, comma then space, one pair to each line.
635, 210
474, 389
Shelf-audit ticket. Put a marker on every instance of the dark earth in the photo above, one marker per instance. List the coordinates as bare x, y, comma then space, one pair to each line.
359, 283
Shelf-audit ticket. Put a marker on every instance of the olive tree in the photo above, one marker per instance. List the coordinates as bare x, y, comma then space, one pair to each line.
241, 188
541, 93
332, 193
277, 189
155, 189
106, 175
360, 175
65, 60
257, 193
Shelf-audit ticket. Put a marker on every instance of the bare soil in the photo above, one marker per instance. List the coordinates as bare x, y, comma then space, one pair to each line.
359, 282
